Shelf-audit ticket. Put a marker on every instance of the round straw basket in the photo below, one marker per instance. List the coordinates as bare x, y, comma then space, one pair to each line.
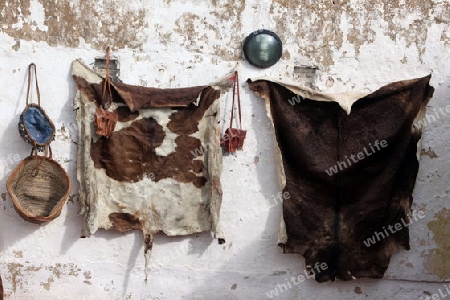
39, 187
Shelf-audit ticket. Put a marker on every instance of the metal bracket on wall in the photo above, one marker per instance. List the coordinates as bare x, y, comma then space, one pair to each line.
306, 74
114, 67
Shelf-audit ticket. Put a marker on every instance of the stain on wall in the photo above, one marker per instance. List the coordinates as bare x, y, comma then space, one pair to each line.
62, 23
308, 26
438, 260
20, 273
319, 28
220, 25
430, 153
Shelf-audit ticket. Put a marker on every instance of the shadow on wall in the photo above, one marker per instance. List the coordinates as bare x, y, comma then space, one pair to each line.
68, 134
14, 150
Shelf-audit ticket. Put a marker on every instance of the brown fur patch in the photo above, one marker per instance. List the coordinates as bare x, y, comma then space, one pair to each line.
329, 215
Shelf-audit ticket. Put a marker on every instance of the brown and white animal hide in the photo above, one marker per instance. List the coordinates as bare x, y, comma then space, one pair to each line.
328, 215
159, 171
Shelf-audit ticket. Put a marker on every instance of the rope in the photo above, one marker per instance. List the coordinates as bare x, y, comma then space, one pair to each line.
106, 82
236, 90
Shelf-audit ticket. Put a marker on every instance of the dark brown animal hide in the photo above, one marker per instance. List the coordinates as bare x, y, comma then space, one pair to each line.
328, 215
160, 168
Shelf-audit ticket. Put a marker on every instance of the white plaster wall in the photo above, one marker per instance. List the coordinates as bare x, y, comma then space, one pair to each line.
355, 46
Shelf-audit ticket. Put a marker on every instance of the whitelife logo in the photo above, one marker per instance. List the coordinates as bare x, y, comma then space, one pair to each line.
347, 162
310, 272
431, 118
10, 161
442, 294
378, 236
295, 100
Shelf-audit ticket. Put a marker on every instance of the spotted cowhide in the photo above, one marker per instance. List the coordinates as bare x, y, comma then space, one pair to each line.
328, 216
159, 171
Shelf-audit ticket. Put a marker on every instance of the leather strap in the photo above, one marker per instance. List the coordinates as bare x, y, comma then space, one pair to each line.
34, 152
106, 82
31, 66
236, 91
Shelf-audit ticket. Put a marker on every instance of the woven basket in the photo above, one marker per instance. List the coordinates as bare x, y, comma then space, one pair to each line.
38, 187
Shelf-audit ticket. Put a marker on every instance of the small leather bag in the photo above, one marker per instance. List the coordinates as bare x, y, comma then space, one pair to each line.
233, 138
105, 119
35, 127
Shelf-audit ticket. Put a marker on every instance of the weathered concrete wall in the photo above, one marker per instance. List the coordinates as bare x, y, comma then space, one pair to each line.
330, 45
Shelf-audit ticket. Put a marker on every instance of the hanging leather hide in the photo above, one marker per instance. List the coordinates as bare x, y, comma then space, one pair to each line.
342, 186
159, 170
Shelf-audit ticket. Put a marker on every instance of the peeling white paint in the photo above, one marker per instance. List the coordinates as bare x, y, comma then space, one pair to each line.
37, 17
379, 45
